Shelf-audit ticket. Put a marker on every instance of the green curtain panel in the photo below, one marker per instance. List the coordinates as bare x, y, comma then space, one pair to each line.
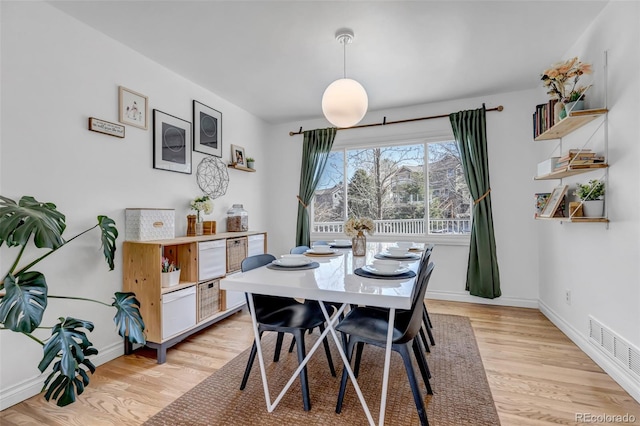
315, 153
469, 129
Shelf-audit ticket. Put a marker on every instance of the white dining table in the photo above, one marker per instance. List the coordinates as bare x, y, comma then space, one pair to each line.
333, 281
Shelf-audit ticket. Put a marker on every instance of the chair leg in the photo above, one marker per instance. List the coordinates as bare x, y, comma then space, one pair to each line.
356, 365
327, 351
424, 338
424, 367
345, 375
252, 357
292, 345
304, 385
427, 325
415, 390
276, 353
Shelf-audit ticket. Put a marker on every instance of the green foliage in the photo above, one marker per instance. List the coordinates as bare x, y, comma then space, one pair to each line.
26, 293
594, 190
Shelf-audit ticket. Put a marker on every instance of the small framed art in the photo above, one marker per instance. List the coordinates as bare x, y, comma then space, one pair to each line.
134, 108
554, 200
207, 130
101, 126
171, 143
237, 155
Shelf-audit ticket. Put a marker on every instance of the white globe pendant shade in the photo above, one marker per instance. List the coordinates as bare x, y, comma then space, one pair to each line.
344, 102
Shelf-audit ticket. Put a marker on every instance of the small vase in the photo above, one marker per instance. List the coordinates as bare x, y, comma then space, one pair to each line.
563, 113
593, 208
574, 106
199, 228
359, 244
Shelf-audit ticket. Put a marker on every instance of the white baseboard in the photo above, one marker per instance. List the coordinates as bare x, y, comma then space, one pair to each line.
498, 301
33, 386
617, 373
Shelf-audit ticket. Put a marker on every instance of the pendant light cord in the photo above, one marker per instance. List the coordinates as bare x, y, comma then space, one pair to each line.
344, 59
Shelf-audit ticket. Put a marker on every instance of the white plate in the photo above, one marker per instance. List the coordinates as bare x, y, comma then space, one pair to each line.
330, 252
299, 262
372, 270
402, 256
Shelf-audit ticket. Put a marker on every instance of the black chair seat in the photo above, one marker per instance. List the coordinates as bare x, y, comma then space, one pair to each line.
292, 316
370, 324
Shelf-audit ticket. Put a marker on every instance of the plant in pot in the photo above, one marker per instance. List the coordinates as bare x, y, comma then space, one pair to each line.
251, 162
591, 196
170, 273
24, 293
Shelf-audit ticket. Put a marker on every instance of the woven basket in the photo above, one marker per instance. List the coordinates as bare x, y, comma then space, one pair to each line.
208, 299
236, 253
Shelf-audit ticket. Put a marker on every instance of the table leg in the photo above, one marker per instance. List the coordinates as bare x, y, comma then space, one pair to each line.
387, 362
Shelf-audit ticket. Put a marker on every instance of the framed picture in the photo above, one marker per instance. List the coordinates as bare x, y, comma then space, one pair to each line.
134, 108
171, 143
554, 200
101, 126
237, 155
207, 130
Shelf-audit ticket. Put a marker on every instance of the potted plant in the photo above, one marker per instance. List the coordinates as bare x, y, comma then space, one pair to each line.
561, 80
250, 162
25, 294
170, 273
591, 196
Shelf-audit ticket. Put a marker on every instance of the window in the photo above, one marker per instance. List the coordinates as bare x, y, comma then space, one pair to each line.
395, 186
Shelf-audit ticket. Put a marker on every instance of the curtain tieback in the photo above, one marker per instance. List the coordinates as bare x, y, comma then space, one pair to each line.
301, 202
483, 196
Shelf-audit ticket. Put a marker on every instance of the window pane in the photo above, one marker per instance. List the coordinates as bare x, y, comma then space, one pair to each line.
328, 201
449, 198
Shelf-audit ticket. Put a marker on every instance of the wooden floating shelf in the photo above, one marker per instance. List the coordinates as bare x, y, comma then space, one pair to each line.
575, 219
574, 121
239, 167
572, 170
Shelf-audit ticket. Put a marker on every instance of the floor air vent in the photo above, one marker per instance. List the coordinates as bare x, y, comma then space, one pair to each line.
614, 346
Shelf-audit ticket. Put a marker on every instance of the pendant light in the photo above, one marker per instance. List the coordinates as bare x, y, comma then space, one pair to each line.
344, 102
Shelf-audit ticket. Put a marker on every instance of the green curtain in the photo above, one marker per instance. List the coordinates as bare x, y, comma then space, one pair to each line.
469, 129
315, 153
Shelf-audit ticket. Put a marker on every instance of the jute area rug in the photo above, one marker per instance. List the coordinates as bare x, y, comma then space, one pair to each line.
461, 391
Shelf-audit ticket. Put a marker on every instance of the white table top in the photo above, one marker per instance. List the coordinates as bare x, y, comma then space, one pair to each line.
333, 281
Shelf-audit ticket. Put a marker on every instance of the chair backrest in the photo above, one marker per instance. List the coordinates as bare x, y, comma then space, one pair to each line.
253, 262
413, 322
299, 250
424, 261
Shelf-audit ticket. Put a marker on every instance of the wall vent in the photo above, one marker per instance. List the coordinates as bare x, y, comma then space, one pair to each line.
615, 346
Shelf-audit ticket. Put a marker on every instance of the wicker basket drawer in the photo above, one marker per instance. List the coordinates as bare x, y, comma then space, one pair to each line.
208, 299
236, 253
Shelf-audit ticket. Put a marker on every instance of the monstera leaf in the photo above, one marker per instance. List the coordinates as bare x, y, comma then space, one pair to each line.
25, 300
71, 345
109, 235
128, 319
19, 221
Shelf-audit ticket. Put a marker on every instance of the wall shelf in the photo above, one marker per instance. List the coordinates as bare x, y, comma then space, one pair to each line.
575, 219
574, 121
571, 170
239, 167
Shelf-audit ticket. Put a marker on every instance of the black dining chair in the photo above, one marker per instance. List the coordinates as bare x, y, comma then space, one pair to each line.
364, 325
284, 315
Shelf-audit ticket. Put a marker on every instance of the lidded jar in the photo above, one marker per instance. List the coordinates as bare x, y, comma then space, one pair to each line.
237, 219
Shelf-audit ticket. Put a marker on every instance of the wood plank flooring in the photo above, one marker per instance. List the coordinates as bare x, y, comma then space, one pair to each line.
537, 375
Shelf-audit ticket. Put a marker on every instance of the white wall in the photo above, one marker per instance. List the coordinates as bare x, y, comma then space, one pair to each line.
599, 265
57, 72
511, 171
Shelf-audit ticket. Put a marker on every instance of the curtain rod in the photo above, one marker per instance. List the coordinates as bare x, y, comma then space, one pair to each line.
385, 122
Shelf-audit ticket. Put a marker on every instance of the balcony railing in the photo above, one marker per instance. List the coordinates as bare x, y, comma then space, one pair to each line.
404, 226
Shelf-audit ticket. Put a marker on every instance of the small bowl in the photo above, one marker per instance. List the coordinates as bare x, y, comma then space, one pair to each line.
321, 248
386, 265
294, 259
397, 251
342, 242
405, 244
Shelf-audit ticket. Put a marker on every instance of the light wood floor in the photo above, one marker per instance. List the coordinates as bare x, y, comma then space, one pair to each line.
537, 375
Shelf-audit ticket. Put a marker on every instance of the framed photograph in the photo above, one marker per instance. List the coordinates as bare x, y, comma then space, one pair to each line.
171, 143
554, 200
134, 108
207, 130
237, 155
101, 126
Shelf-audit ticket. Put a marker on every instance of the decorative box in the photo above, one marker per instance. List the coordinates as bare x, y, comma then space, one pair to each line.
149, 224
547, 166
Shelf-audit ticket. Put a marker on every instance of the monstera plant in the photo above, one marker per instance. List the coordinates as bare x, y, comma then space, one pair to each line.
24, 294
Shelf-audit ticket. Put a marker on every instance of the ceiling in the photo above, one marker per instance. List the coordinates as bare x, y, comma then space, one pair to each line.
275, 58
